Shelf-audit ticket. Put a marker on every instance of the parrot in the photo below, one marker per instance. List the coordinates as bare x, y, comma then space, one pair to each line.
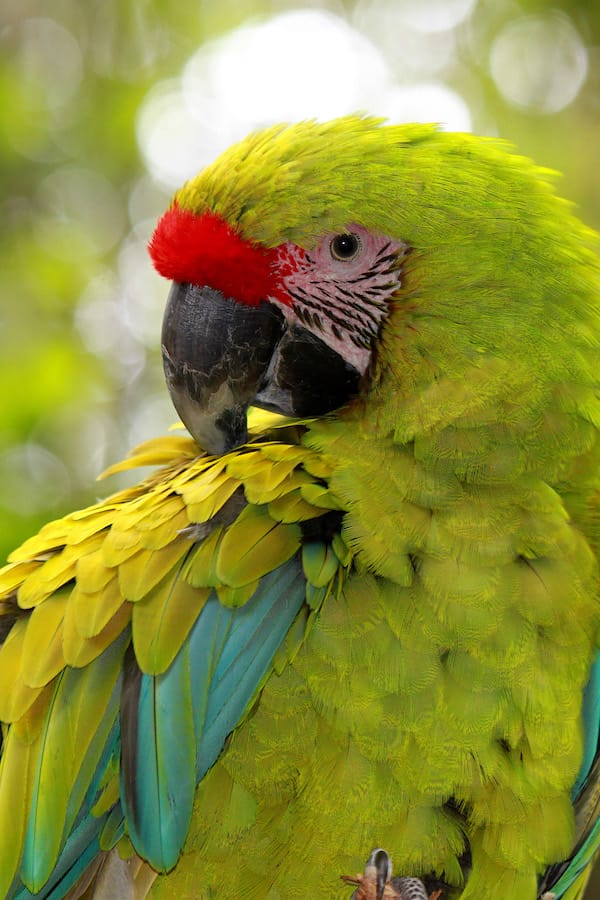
356, 605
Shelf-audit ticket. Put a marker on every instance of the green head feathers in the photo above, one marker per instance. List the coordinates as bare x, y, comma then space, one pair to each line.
497, 305
484, 224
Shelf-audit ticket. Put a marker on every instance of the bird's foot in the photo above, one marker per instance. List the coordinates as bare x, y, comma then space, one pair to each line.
376, 883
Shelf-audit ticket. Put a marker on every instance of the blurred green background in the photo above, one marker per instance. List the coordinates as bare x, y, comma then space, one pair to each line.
107, 105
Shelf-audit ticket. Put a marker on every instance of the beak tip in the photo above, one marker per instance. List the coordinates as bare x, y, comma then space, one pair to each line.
215, 442
216, 432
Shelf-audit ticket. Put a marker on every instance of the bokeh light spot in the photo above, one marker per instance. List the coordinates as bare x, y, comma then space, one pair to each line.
539, 62
83, 213
426, 102
172, 142
410, 53
309, 63
50, 61
301, 64
431, 16
42, 477
298, 65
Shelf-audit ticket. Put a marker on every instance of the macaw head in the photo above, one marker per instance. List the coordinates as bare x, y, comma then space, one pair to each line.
314, 264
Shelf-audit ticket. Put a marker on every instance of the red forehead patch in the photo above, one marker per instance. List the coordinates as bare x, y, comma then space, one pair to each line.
206, 250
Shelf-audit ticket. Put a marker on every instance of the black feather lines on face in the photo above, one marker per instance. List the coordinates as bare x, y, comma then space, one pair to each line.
351, 309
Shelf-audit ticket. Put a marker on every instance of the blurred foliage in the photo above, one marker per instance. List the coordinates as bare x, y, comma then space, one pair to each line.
80, 376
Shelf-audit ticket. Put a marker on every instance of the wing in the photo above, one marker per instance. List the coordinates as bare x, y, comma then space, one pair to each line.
137, 634
569, 879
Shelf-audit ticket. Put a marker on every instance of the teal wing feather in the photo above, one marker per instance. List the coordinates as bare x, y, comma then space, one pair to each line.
253, 635
174, 725
591, 719
82, 845
136, 635
564, 880
69, 735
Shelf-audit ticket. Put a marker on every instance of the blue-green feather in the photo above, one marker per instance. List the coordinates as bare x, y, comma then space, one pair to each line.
561, 877
50, 821
184, 715
159, 795
591, 724
82, 844
254, 633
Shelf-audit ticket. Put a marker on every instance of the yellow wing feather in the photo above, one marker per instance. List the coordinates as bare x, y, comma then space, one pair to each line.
145, 559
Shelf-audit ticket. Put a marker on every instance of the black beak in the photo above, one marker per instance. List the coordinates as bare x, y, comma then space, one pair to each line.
220, 356
215, 354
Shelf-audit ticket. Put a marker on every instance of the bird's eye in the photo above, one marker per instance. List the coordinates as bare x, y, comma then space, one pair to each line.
344, 246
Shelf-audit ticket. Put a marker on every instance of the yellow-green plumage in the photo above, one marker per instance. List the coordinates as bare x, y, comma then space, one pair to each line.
134, 559
427, 698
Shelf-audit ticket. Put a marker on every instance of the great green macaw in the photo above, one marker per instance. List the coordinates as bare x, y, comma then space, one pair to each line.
365, 617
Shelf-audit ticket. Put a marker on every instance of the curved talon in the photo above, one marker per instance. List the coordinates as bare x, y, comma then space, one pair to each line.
377, 883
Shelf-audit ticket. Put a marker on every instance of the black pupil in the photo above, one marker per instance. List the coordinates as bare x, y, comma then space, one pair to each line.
345, 246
